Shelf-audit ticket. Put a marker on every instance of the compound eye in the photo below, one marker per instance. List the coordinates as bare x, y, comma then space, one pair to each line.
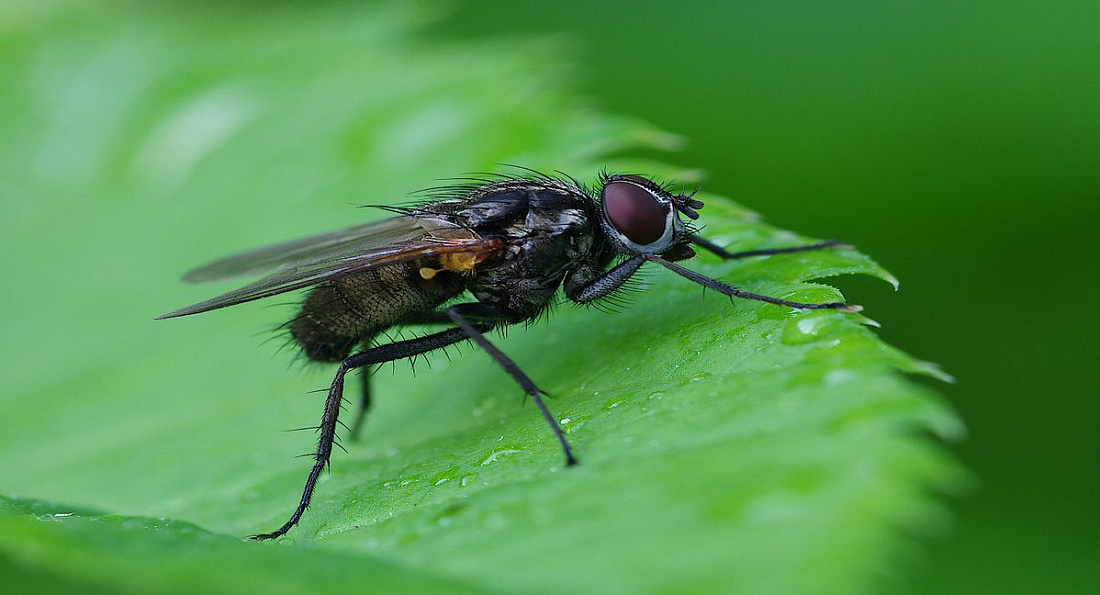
635, 212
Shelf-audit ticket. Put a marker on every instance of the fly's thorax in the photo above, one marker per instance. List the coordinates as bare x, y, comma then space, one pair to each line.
341, 313
525, 278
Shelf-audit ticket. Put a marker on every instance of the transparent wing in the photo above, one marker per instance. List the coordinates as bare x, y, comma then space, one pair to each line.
308, 250
309, 261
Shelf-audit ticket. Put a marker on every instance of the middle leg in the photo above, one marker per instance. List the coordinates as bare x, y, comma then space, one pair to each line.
462, 315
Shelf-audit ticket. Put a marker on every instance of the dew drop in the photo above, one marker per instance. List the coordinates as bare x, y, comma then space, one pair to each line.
401, 481
445, 476
807, 329
493, 456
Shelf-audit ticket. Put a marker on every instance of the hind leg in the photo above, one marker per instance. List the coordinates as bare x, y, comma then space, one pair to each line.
433, 317
364, 402
374, 356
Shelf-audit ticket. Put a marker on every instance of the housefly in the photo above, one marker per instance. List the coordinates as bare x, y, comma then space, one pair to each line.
476, 256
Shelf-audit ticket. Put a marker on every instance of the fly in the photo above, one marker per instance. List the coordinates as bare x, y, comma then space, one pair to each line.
475, 257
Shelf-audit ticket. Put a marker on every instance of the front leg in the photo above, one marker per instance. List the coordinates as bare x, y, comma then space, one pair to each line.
723, 253
603, 285
584, 290
733, 292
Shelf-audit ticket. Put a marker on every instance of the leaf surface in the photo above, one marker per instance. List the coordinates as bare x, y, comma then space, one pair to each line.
723, 445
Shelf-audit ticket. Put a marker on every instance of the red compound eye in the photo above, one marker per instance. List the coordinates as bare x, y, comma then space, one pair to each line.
635, 212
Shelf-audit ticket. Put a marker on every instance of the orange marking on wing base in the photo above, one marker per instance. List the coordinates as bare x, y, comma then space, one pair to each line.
463, 262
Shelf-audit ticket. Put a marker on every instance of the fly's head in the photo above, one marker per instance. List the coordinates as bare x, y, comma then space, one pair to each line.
640, 217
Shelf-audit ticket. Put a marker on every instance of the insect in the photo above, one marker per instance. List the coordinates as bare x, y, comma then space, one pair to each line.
476, 256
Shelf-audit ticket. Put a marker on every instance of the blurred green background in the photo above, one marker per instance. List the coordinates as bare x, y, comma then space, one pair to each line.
957, 143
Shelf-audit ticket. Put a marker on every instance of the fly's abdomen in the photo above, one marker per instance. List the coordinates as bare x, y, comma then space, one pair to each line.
343, 312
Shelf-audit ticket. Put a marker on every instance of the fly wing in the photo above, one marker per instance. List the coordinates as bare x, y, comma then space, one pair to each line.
318, 248
309, 261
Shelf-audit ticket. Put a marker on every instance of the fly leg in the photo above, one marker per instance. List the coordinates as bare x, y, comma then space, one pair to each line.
610, 281
723, 253
375, 355
462, 314
434, 317
364, 402
739, 293
605, 284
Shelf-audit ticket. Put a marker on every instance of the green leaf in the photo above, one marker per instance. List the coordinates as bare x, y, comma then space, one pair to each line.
724, 446
84, 551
